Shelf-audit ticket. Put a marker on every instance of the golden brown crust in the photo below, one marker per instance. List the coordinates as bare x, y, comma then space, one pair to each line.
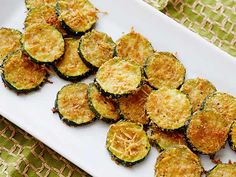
30, 4
207, 132
178, 161
197, 90
223, 170
133, 106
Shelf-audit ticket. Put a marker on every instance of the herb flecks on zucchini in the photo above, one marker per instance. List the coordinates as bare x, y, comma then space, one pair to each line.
168, 108
43, 43
78, 16
9, 41
222, 103
21, 74
207, 132
223, 170
132, 108
232, 136
178, 161
103, 107
162, 139
163, 69
96, 48
44, 15
70, 66
127, 142
197, 90
72, 104
30, 4
135, 47
118, 77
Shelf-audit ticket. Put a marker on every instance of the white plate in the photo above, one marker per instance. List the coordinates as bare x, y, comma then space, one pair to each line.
85, 146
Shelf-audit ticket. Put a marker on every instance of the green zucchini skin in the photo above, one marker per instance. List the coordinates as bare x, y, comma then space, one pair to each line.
94, 110
62, 117
232, 136
15, 89
106, 39
68, 29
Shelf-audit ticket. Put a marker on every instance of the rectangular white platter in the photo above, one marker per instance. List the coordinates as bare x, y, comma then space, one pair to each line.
85, 146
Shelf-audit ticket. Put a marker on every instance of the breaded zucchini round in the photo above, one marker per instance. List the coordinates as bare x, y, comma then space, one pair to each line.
223, 170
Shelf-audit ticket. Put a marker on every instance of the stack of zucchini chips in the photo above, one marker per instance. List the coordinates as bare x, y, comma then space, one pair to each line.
140, 92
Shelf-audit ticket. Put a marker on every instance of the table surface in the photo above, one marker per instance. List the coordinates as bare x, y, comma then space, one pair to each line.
23, 155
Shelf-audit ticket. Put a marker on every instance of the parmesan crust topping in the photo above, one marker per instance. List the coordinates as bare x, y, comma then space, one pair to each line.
22, 73
79, 15
71, 64
162, 69
207, 132
9, 42
127, 141
119, 76
72, 103
133, 106
168, 108
197, 90
135, 47
97, 48
178, 161
30, 4
43, 43
223, 170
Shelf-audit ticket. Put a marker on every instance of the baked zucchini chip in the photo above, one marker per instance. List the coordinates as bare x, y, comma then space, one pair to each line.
43, 43
223, 170
21, 74
132, 108
178, 161
162, 139
72, 105
77, 16
134, 47
232, 136
102, 107
169, 109
9, 41
44, 14
163, 69
127, 143
70, 66
30, 4
222, 103
96, 48
197, 90
118, 77
207, 132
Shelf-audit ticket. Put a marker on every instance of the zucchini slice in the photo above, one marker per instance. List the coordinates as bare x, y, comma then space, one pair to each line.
118, 77
207, 132
132, 108
178, 161
127, 143
43, 43
21, 74
223, 170
77, 16
162, 139
96, 48
30, 4
232, 136
9, 41
135, 47
70, 66
44, 14
72, 105
103, 107
168, 108
163, 69
197, 90
222, 103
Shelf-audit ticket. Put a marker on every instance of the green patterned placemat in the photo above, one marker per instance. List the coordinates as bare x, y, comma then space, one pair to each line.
23, 155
